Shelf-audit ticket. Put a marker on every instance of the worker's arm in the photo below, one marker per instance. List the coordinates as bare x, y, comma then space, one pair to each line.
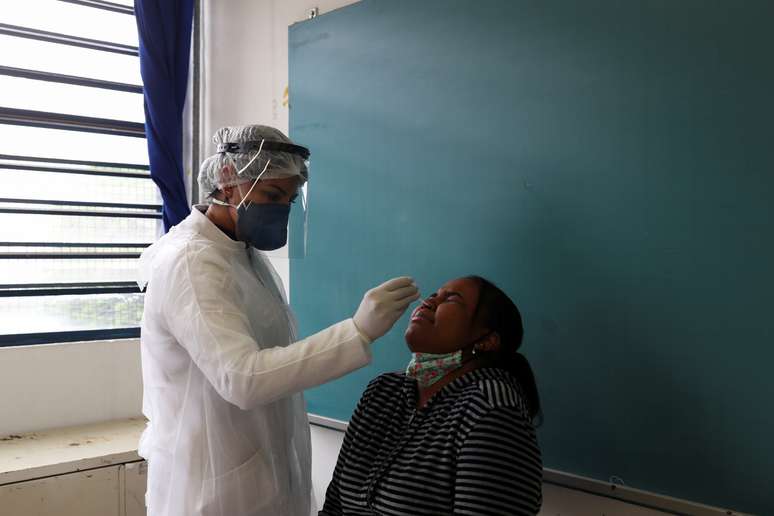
203, 313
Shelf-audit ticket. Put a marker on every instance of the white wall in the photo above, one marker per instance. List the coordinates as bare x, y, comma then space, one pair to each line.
245, 60
244, 67
56, 385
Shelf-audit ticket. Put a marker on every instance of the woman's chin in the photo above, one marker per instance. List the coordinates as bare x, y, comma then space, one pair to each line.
412, 337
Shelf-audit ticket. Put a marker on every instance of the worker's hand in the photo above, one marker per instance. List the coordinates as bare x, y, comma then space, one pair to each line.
382, 306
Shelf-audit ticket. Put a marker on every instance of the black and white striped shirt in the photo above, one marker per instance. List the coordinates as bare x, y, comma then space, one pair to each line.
471, 450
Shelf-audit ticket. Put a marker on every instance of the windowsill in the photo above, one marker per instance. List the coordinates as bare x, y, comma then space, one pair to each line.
59, 451
59, 343
65, 450
28, 341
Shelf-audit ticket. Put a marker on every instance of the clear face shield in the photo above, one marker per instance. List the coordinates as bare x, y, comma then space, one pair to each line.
278, 229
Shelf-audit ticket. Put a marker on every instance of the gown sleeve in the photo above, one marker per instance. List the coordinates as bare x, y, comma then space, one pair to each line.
203, 313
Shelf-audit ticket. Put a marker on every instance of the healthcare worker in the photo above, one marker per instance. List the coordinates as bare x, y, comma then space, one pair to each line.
223, 369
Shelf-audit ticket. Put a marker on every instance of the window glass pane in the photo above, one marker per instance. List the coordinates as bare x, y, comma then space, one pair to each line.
69, 313
69, 60
54, 143
14, 272
71, 100
39, 260
76, 187
70, 19
68, 228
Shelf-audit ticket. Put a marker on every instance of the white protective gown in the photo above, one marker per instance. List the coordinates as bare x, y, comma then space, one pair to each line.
228, 433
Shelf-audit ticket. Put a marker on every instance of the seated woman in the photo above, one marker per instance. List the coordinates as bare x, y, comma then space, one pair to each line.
455, 433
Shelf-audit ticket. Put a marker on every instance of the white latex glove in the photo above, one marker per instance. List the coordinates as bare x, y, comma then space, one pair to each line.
382, 306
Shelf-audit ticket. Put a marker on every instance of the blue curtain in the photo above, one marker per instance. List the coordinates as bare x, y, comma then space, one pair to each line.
164, 27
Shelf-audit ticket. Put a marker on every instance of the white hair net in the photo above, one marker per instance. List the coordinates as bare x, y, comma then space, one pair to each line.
220, 170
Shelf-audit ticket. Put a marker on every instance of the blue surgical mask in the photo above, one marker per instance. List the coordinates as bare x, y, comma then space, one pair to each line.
263, 226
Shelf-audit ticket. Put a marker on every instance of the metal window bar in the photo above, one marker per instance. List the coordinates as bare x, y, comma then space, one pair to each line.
48, 120
153, 211
74, 213
89, 204
27, 339
67, 256
80, 171
68, 289
106, 245
66, 39
59, 78
103, 164
108, 250
83, 284
102, 4
106, 214
17, 163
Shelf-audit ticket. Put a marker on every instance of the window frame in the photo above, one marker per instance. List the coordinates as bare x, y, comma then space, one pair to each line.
52, 120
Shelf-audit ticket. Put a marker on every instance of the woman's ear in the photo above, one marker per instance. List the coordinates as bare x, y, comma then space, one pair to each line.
489, 343
227, 174
228, 191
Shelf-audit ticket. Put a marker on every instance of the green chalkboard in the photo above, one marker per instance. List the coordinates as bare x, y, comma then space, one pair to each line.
610, 164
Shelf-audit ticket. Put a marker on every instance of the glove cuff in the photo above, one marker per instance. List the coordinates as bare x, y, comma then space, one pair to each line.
366, 338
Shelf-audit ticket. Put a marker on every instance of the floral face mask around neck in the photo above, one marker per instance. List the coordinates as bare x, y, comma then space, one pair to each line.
429, 368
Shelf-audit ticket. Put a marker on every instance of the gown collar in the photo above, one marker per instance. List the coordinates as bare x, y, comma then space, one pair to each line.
204, 226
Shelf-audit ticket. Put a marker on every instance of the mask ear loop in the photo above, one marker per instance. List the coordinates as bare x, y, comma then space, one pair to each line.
244, 197
260, 148
241, 170
239, 187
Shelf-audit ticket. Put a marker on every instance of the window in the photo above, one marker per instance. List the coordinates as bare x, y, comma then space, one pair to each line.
77, 205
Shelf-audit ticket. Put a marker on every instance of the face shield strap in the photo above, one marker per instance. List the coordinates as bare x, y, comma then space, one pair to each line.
269, 145
257, 179
239, 187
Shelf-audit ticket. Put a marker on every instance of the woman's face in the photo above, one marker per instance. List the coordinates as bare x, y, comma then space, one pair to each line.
443, 323
274, 191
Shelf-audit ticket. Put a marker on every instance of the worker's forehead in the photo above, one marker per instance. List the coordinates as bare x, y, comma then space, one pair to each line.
283, 181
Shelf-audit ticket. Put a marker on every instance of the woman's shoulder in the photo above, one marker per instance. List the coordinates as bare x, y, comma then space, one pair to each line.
493, 388
387, 382
380, 394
